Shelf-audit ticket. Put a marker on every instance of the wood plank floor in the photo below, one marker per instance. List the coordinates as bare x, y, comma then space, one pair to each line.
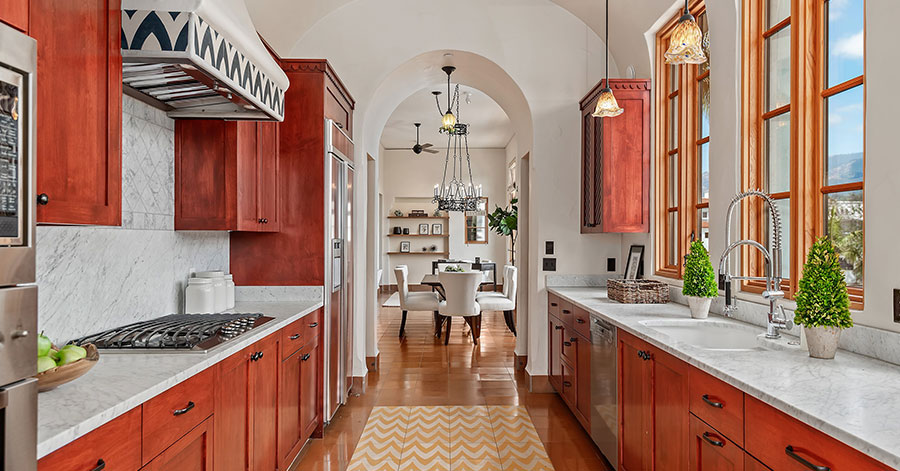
419, 370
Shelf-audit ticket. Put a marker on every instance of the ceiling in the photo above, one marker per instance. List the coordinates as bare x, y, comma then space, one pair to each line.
489, 125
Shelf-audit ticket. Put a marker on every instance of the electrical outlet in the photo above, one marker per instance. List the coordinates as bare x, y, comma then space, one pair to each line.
549, 264
548, 247
897, 305
611, 264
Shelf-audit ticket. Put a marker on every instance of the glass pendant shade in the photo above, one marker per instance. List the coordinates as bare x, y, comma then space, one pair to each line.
448, 122
607, 106
685, 45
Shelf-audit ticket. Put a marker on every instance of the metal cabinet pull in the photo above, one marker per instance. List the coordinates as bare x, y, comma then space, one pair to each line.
579, 320
706, 437
643, 355
567, 384
253, 356
305, 357
566, 311
717, 405
554, 304
573, 339
100, 465
789, 450
43, 199
294, 337
313, 325
259, 356
568, 344
558, 327
176, 412
260, 220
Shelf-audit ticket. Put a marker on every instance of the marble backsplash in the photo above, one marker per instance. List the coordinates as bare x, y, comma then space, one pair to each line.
95, 278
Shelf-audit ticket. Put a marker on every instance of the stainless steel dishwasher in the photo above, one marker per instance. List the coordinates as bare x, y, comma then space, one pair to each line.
604, 405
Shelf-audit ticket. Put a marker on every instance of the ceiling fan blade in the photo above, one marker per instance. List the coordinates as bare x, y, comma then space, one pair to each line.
427, 145
431, 151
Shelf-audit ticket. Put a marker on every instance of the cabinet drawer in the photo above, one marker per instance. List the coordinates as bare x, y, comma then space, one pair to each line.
299, 333
172, 414
581, 321
313, 325
553, 305
718, 404
711, 451
193, 452
784, 443
566, 312
114, 445
569, 345
569, 384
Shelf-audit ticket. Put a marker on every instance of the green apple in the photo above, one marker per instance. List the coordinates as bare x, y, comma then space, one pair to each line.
44, 364
44, 345
71, 353
54, 354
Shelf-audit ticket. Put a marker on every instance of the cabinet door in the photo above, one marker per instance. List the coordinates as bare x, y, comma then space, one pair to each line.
555, 350
15, 13
310, 388
204, 177
192, 452
264, 404
79, 110
711, 451
267, 176
634, 405
290, 400
670, 411
247, 176
115, 445
569, 384
751, 464
232, 413
583, 381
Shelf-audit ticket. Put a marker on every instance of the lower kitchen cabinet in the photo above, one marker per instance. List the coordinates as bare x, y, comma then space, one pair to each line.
114, 446
634, 405
299, 401
555, 349
711, 451
570, 359
192, 452
311, 393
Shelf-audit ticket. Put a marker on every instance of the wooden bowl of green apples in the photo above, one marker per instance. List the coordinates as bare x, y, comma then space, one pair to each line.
58, 366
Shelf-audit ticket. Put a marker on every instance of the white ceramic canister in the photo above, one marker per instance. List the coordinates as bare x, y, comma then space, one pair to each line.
218, 280
229, 291
199, 296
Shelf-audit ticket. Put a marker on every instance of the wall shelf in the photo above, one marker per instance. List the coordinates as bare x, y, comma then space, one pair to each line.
419, 235
445, 254
419, 217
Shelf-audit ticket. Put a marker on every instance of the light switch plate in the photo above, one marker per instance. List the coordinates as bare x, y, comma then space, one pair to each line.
897, 306
549, 264
611, 264
548, 247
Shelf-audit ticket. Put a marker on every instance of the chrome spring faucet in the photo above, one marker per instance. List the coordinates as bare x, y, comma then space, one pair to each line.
777, 319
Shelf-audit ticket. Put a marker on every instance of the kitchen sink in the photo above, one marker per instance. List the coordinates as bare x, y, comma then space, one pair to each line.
709, 334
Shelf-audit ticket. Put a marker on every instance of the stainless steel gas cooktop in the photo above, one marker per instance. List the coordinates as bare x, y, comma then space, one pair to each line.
191, 333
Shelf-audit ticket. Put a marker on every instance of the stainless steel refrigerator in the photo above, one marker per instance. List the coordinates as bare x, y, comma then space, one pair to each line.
338, 267
18, 293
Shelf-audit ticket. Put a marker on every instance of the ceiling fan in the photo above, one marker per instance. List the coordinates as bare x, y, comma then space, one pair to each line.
419, 148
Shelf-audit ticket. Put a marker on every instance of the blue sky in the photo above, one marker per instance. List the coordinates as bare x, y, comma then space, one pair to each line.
845, 61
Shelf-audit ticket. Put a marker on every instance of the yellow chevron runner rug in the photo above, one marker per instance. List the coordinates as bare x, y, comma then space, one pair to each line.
450, 438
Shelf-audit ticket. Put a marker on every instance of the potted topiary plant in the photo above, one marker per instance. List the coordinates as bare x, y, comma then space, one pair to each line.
699, 280
823, 307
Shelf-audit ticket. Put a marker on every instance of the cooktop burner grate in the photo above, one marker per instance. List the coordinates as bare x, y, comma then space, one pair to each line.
182, 332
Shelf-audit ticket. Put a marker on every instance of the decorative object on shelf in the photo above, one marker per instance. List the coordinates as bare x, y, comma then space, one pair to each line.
433, 248
454, 269
635, 262
418, 213
823, 306
423, 229
459, 193
398, 213
405, 231
437, 213
607, 107
448, 119
699, 280
424, 249
437, 229
398, 230
638, 291
686, 43
419, 148
505, 221
404, 246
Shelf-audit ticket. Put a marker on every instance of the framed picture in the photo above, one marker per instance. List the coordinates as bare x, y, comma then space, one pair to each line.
634, 262
437, 229
404, 246
423, 229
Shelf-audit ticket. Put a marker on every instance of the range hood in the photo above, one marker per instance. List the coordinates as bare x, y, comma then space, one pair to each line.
200, 59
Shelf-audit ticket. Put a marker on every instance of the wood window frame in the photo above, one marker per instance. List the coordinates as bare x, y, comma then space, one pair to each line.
807, 140
687, 149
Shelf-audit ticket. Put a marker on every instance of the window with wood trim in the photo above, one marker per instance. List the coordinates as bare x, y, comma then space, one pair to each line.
682, 164
804, 130
477, 224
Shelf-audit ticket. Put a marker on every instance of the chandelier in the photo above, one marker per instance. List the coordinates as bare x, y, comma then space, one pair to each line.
460, 192
686, 43
607, 107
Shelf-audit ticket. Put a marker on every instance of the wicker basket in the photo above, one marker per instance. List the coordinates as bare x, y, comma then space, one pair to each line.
638, 291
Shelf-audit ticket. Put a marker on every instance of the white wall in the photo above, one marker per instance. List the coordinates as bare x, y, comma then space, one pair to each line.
405, 174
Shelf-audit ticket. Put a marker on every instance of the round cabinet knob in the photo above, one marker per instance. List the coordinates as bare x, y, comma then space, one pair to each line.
19, 334
265, 220
43, 199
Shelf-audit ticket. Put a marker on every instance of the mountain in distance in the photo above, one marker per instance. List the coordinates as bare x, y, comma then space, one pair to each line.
844, 168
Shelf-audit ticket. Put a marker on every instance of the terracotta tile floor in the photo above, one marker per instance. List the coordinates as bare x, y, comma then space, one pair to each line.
420, 370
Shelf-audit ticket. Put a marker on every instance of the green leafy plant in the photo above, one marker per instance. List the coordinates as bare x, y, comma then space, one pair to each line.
454, 269
699, 277
822, 299
505, 221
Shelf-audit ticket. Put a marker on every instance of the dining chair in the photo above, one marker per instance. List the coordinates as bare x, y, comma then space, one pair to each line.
459, 291
425, 301
505, 301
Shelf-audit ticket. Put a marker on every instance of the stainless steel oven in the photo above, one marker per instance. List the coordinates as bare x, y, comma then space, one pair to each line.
18, 293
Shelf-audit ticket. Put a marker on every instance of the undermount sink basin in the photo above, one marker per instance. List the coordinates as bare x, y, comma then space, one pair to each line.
709, 334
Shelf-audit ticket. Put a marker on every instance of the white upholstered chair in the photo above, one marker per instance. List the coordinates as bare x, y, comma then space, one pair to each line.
459, 290
505, 301
425, 301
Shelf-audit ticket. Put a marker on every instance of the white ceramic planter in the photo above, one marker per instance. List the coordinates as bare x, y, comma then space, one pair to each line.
822, 341
699, 306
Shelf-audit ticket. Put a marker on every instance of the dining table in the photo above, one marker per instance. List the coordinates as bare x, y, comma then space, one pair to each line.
434, 282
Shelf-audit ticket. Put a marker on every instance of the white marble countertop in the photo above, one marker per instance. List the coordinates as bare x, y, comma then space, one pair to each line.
853, 398
122, 381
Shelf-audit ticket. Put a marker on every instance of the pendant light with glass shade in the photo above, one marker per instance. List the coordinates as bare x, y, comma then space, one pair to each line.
448, 119
686, 42
607, 107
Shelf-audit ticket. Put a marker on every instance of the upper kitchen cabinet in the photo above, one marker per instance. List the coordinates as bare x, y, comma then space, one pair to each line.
615, 161
79, 110
15, 13
226, 175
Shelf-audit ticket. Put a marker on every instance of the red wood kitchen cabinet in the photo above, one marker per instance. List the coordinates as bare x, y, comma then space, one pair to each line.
114, 445
711, 451
192, 452
653, 407
570, 358
299, 391
226, 175
555, 344
15, 13
79, 111
615, 165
